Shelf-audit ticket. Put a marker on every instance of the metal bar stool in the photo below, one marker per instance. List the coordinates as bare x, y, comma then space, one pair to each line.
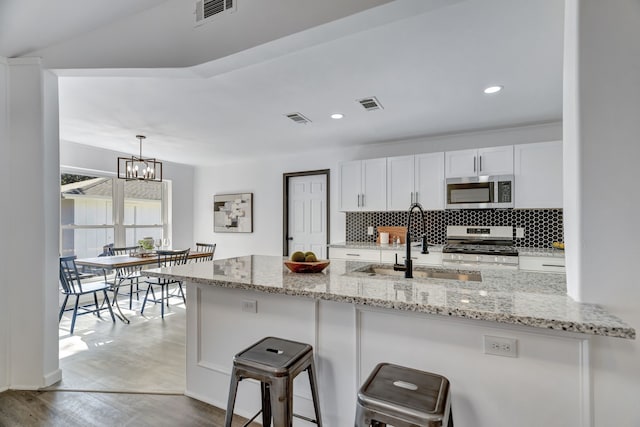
404, 397
275, 362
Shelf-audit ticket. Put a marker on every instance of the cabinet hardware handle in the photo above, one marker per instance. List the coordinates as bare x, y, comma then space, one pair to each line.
412, 197
417, 201
358, 200
552, 265
480, 163
474, 163
363, 200
352, 254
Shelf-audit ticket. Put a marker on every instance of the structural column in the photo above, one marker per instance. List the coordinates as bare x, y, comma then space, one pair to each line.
31, 195
601, 121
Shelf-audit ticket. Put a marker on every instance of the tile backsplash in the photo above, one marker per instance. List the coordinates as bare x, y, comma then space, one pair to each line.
541, 226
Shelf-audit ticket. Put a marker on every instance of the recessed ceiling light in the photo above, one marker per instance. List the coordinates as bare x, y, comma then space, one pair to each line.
337, 116
493, 89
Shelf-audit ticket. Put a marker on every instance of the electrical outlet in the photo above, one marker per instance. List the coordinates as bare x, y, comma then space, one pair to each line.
519, 232
250, 306
370, 230
500, 346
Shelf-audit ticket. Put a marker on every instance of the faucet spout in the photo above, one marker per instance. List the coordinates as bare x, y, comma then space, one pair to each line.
408, 262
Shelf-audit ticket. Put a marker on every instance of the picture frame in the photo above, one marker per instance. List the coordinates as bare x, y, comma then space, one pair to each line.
233, 213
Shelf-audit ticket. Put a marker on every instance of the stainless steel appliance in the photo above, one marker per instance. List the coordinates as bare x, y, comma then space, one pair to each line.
480, 192
478, 245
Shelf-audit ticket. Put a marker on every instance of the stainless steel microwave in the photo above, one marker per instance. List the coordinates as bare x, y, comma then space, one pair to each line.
480, 192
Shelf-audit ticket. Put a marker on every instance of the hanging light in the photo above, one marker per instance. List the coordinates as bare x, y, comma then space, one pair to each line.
139, 168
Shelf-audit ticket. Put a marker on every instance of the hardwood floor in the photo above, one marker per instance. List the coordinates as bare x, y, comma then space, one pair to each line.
147, 355
100, 409
116, 375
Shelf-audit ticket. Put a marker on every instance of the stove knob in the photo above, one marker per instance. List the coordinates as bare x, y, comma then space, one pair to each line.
496, 259
478, 258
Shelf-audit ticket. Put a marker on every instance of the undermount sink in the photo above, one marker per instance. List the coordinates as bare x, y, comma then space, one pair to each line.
423, 273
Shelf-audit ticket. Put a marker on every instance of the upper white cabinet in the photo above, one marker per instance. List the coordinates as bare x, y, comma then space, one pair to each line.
363, 185
429, 180
538, 175
415, 179
400, 182
483, 161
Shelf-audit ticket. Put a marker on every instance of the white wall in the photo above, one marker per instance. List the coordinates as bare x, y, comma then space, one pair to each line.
80, 157
264, 179
602, 130
4, 194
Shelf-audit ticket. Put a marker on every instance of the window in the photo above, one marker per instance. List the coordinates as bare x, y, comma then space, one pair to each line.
142, 211
98, 211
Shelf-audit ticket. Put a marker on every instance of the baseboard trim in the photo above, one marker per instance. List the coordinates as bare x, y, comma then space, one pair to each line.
52, 377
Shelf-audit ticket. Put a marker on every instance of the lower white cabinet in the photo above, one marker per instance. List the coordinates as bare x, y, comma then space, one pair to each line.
542, 263
432, 258
371, 255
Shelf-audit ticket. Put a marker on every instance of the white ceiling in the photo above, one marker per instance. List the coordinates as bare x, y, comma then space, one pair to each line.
428, 70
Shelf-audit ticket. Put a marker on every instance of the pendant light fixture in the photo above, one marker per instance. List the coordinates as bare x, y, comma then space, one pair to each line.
139, 168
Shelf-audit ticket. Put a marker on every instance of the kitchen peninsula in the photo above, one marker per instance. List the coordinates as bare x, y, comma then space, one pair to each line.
355, 319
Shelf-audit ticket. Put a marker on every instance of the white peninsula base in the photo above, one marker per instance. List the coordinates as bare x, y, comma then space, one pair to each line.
547, 384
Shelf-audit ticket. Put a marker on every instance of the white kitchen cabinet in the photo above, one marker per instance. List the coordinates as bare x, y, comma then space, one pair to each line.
412, 179
363, 185
483, 161
367, 255
432, 258
538, 175
542, 263
429, 180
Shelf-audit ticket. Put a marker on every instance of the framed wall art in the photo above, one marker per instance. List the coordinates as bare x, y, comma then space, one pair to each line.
233, 213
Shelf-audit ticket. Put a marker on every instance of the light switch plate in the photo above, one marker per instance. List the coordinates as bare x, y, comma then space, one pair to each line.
370, 230
519, 233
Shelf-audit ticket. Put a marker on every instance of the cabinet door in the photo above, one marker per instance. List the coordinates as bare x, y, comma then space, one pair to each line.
374, 185
350, 180
429, 180
460, 164
495, 160
538, 175
371, 255
400, 191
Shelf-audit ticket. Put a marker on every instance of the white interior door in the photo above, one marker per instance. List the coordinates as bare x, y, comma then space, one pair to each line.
308, 214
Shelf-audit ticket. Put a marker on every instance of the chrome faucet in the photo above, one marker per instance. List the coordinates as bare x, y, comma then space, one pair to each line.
408, 263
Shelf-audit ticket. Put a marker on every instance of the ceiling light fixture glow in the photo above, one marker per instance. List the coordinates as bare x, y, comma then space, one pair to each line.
493, 89
337, 116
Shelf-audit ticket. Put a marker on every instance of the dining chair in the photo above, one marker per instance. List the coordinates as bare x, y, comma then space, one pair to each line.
70, 279
126, 274
165, 259
209, 248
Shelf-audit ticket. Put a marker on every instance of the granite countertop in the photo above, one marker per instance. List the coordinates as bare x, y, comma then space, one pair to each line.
515, 297
523, 251
547, 252
378, 246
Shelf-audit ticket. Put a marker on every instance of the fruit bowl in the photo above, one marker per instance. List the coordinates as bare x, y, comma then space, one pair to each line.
307, 267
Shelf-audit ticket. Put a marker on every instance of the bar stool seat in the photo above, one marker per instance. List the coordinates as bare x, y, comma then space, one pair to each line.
275, 362
404, 397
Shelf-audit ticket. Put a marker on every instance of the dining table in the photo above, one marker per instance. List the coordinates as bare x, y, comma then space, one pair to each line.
114, 262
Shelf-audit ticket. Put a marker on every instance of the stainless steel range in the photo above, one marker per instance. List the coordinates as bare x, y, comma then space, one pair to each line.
480, 246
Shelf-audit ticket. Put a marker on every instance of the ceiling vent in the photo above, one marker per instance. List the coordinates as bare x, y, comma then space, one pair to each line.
370, 104
298, 118
209, 9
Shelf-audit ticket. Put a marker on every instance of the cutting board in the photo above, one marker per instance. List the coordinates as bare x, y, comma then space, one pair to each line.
393, 231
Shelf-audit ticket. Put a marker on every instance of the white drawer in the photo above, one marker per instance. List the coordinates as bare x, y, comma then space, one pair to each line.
372, 255
432, 258
542, 263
